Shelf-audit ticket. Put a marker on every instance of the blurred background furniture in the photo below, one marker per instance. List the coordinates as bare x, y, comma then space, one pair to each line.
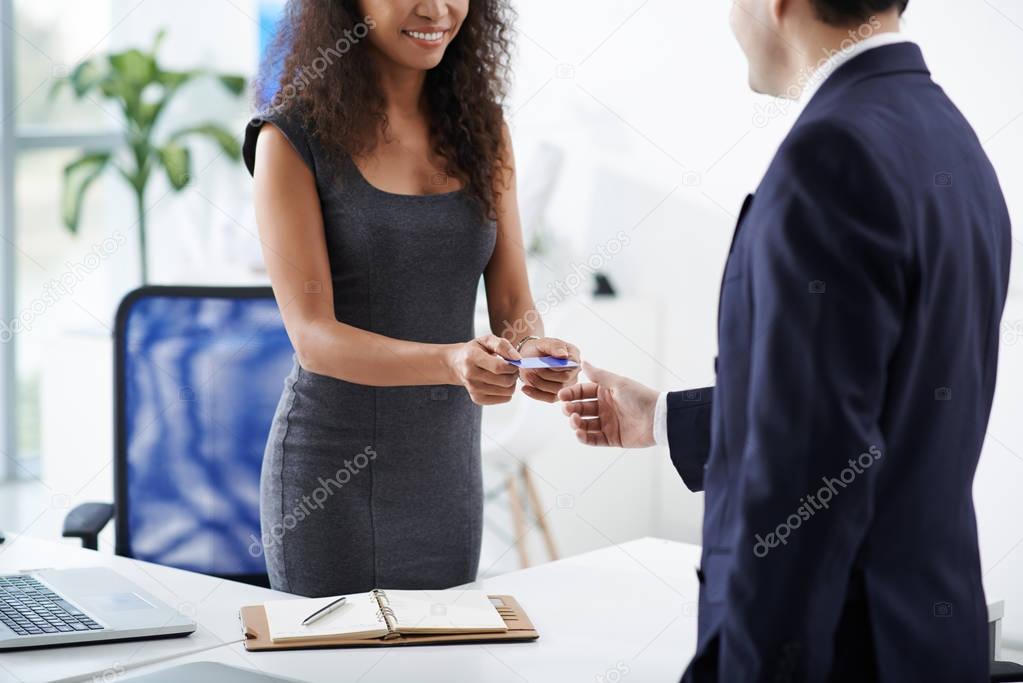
198, 372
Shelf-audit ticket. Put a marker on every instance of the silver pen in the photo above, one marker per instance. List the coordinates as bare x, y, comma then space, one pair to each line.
324, 611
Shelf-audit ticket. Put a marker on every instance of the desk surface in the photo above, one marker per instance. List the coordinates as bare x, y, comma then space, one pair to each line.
623, 611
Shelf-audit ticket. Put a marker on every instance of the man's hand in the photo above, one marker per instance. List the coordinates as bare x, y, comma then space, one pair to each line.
544, 385
610, 411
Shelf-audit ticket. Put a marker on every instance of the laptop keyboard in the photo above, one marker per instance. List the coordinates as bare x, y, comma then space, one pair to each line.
29, 608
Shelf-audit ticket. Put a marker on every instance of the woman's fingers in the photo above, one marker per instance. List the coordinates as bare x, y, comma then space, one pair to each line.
499, 345
550, 346
534, 393
488, 399
493, 364
559, 376
534, 380
485, 377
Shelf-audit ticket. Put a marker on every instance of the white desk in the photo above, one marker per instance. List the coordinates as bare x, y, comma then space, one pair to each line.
632, 606
629, 608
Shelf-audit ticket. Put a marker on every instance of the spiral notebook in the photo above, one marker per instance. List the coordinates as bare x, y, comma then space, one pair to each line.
381, 613
387, 617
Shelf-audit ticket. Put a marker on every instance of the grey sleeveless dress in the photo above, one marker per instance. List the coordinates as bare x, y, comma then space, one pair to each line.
364, 486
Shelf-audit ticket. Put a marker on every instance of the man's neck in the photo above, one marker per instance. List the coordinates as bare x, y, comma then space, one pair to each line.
818, 45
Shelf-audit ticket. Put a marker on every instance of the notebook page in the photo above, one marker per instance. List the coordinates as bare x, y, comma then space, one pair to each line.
357, 618
447, 611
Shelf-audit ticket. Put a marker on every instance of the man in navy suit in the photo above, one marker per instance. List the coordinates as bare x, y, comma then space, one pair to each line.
857, 351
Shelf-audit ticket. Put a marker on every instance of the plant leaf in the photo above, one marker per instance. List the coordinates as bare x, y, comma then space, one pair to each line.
172, 80
136, 68
81, 80
177, 161
86, 76
223, 137
160, 35
78, 176
234, 84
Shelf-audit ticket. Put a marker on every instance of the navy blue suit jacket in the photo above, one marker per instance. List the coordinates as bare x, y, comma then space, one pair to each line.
858, 340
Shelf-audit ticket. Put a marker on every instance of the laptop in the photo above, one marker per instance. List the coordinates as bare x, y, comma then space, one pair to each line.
52, 607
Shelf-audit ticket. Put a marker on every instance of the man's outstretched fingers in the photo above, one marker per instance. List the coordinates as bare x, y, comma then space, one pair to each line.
596, 374
591, 438
578, 392
591, 424
584, 408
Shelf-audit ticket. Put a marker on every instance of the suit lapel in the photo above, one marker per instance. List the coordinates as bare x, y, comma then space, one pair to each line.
743, 212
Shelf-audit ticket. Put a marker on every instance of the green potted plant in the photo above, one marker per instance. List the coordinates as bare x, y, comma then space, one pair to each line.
141, 88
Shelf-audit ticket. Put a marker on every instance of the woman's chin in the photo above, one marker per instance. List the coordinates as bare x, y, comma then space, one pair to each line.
424, 61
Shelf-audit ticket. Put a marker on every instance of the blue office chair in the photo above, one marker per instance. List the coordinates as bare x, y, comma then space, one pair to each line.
198, 372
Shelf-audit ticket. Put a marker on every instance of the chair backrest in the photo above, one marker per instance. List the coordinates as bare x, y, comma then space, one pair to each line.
198, 374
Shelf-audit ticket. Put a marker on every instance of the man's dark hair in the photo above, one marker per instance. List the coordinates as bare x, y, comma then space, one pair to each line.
845, 12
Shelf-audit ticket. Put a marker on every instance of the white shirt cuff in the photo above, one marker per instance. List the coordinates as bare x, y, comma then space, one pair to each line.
661, 420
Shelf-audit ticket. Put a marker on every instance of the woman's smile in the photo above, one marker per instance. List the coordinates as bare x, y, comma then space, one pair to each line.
427, 36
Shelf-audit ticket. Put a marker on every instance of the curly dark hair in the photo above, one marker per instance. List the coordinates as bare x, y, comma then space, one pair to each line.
318, 67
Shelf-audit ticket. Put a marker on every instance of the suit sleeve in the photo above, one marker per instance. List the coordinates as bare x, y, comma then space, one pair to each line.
689, 433
828, 278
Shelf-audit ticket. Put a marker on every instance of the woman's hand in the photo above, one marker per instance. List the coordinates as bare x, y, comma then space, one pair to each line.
544, 385
478, 367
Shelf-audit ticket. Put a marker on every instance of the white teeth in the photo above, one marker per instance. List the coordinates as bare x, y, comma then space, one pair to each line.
426, 36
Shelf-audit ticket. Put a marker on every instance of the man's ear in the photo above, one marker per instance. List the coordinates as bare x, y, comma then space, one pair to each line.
778, 10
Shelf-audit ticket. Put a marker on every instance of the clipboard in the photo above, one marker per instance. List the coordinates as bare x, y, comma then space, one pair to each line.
520, 629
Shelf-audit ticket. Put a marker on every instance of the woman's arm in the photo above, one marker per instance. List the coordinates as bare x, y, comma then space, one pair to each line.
513, 315
291, 232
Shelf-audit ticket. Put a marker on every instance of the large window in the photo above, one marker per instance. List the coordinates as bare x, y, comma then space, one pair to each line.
61, 289
39, 43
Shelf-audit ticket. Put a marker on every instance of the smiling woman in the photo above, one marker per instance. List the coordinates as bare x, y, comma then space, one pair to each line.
465, 79
385, 188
